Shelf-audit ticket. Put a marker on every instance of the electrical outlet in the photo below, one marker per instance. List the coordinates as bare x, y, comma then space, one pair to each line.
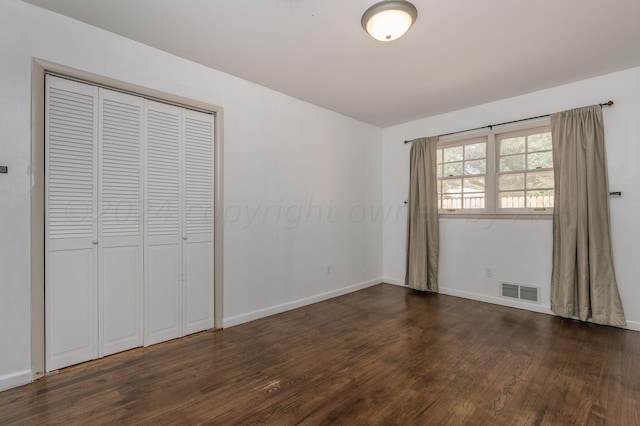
328, 269
488, 272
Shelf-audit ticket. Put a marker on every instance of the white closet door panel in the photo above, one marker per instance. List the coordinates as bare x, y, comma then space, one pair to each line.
162, 293
163, 217
70, 297
120, 299
120, 221
71, 181
121, 173
163, 169
70, 231
198, 286
198, 221
198, 172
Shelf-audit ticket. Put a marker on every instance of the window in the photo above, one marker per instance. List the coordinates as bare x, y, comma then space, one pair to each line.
462, 170
497, 172
525, 170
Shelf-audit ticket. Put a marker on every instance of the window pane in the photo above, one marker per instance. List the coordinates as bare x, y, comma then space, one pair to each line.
538, 199
475, 150
512, 200
512, 163
453, 201
475, 202
511, 182
512, 146
453, 169
539, 142
439, 170
439, 153
473, 185
451, 185
540, 180
453, 154
540, 160
476, 167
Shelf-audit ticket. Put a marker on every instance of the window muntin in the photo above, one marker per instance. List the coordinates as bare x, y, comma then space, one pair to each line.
462, 170
525, 170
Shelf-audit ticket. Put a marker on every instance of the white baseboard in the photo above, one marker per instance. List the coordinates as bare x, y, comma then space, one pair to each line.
633, 325
393, 281
482, 298
15, 380
543, 309
261, 313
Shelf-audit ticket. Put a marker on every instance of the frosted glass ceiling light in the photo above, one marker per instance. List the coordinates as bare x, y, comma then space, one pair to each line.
389, 20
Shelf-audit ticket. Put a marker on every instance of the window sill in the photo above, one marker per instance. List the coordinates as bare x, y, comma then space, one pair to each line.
517, 216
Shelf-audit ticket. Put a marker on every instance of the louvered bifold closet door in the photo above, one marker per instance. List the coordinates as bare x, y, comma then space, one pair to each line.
120, 222
71, 133
163, 219
198, 221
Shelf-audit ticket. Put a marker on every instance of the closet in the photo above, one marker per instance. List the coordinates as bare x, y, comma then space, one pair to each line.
128, 222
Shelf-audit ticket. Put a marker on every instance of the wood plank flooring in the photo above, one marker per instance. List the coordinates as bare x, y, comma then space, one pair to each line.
384, 355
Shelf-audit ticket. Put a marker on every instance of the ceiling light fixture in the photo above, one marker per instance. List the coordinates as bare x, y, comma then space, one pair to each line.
389, 20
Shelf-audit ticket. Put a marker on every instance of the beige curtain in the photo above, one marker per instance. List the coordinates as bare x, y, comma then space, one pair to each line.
422, 230
583, 281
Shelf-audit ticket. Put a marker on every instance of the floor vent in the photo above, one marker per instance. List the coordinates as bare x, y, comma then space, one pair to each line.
520, 292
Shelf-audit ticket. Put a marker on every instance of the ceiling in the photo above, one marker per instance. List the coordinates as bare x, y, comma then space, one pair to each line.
458, 54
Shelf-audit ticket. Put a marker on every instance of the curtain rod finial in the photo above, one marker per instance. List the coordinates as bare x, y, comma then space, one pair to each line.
609, 103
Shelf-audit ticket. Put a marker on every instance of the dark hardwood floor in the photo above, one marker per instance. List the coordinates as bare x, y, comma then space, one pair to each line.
384, 355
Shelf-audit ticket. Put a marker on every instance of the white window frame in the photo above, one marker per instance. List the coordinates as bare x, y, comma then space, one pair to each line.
492, 209
512, 134
468, 140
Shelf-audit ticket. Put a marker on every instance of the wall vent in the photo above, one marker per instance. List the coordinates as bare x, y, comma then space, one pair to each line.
520, 292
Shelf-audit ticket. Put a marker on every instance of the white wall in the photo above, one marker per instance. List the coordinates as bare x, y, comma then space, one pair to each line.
301, 160
520, 250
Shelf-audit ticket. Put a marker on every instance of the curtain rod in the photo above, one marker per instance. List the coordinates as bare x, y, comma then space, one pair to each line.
491, 126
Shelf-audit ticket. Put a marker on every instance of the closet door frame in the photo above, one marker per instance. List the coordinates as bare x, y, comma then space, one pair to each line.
39, 68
